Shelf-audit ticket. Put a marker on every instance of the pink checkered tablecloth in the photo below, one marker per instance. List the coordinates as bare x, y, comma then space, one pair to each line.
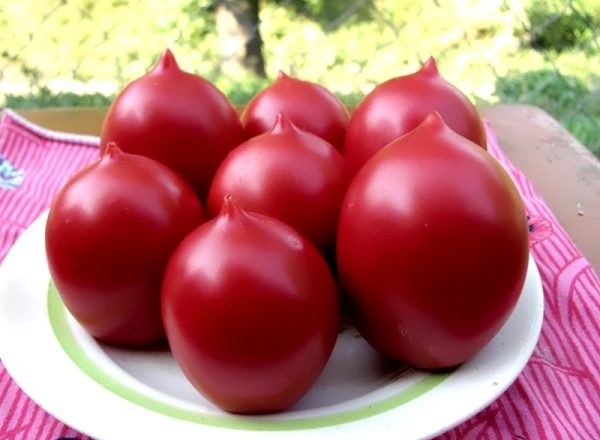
557, 396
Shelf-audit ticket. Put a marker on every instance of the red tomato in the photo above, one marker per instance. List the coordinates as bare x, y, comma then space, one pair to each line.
109, 234
289, 174
251, 311
397, 106
432, 247
177, 118
310, 106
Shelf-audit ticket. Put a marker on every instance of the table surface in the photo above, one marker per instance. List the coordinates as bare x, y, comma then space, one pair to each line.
562, 170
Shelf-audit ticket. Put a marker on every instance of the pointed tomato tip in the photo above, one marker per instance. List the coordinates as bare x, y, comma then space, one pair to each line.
166, 61
112, 150
282, 75
434, 118
229, 208
283, 124
430, 66
433, 121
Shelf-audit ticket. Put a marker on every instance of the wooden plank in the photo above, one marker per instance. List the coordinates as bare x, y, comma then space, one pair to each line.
80, 120
562, 170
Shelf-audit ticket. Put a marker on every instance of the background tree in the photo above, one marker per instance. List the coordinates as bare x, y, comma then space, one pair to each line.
238, 28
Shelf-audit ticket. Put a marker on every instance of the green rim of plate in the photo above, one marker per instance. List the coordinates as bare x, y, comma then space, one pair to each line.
57, 314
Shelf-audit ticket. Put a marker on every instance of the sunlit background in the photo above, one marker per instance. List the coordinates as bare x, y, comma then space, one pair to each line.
545, 53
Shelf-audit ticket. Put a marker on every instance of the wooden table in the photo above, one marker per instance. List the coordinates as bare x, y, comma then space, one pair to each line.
565, 174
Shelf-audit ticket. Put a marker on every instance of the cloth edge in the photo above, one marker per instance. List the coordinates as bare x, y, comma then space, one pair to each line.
48, 133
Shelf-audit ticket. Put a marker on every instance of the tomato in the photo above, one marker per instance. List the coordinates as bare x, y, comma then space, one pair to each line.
289, 174
310, 106
432, 247
177, 118
110, 232
251, 311
398, 105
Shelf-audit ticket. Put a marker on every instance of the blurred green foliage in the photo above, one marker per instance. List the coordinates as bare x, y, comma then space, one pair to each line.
558, 25
541, 52
331, 14
44, 97
560, 95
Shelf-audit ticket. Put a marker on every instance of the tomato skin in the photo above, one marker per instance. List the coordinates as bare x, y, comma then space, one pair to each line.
309, 106
289, 174
177, 118
110, 232
251, 311
432, 247
400, 104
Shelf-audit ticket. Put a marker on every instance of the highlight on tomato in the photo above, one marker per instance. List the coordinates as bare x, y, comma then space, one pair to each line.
251, 311
289, 174
432, 247
110, 232
308, 105
399, 105
177, 118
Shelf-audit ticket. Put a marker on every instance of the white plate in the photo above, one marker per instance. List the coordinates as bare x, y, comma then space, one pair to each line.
113, 393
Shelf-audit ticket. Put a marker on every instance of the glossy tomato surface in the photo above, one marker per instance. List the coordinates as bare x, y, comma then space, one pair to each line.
400, 104
177, 118
432, 247
289, 174
110, 232
310, 106
251, 311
